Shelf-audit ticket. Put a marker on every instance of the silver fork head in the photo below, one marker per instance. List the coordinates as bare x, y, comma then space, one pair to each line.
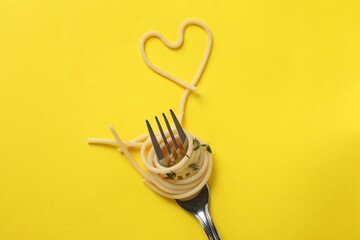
174, 153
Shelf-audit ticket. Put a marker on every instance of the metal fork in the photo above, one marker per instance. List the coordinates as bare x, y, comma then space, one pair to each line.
198, 205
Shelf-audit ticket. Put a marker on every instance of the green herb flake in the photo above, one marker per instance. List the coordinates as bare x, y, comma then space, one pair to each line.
171, 175
196, 144
208, 148
194, 166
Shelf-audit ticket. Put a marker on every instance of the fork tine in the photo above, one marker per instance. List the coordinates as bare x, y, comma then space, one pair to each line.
176, 146
163, 136
171, 132
178, 127
154, 142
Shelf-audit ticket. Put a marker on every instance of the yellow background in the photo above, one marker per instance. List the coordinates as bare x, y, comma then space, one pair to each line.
279, 102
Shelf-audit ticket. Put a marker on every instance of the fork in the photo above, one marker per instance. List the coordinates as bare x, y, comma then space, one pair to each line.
198, 205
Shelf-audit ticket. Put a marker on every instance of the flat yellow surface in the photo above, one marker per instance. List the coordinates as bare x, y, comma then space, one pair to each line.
279, 102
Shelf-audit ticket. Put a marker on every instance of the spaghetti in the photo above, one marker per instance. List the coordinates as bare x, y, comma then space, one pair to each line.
186, 177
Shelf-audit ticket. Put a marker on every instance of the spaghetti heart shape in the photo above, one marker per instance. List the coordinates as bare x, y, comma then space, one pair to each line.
177, 45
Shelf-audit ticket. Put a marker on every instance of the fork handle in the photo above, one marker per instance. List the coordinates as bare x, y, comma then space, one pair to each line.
206, 222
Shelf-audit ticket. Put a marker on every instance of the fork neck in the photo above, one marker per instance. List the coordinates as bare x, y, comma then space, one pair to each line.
203, 216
